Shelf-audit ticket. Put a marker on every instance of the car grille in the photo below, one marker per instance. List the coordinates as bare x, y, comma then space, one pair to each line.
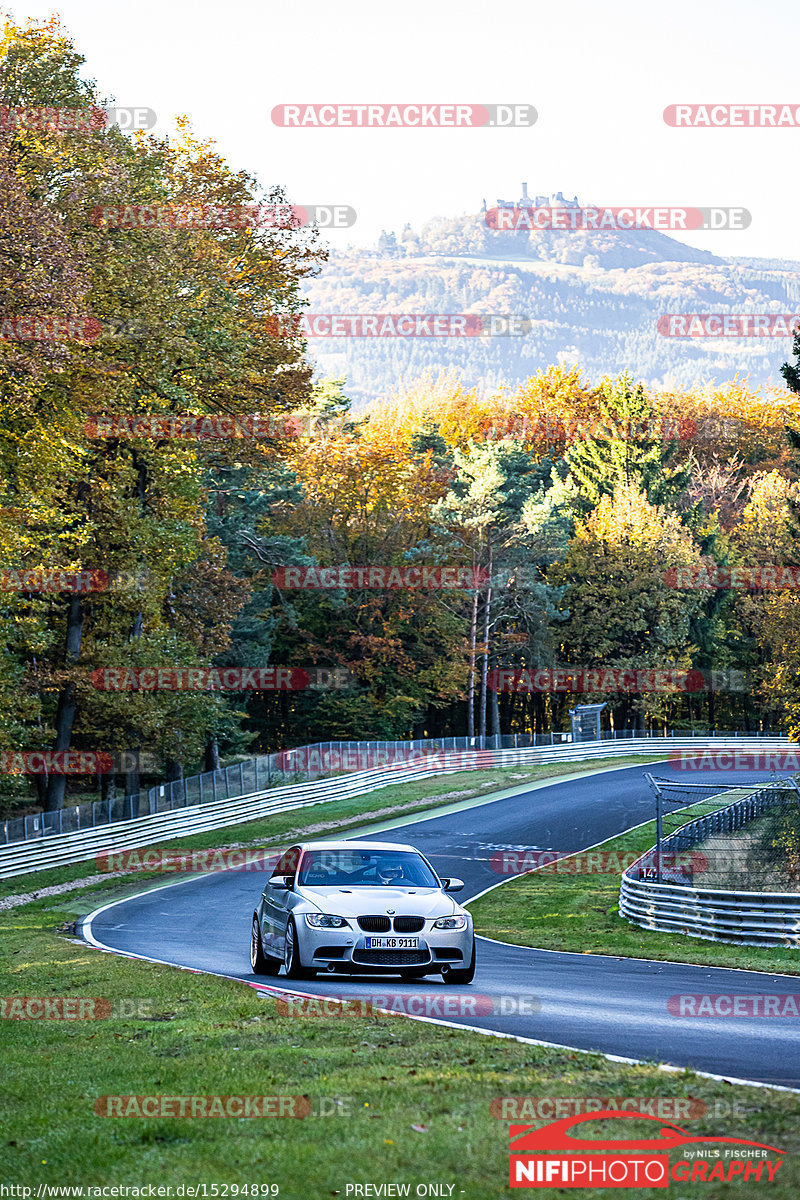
375, 924
390, 958
409, 924
379, 924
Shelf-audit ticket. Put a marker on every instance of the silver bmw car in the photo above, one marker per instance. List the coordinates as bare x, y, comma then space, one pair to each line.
361, 907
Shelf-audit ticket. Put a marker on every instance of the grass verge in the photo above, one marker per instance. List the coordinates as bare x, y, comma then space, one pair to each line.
556, 910
412, 1099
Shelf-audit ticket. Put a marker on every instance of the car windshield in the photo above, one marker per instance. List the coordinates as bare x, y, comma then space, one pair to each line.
365, 868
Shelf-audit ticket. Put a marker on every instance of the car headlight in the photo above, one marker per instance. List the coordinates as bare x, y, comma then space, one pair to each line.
457, 922
325, 921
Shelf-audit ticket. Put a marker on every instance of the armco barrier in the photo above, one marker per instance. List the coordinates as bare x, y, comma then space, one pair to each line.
80, 846
746, 918
257, 774
266, 771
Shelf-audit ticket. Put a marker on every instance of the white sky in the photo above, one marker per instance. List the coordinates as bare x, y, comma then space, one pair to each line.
599, 75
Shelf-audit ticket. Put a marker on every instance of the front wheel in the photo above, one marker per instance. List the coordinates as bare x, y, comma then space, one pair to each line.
261, 963
462, 975
291, 955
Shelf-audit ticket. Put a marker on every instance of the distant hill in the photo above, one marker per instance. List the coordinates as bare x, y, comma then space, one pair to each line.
593, 298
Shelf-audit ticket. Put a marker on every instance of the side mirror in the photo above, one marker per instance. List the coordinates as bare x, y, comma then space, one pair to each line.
452, 885
282, 883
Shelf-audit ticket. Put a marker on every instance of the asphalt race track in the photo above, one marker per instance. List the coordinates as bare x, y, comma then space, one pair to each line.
616, 1006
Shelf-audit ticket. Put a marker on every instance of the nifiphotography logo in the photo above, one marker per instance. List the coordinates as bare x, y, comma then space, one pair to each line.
635, 1162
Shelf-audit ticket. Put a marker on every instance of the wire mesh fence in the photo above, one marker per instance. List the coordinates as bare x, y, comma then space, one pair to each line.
742, 839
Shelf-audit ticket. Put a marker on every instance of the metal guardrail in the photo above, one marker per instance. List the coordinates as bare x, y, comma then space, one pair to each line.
253, 775
287, 766
714, 914
80, 846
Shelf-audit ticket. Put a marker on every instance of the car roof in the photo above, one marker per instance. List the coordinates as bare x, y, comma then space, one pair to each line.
357, 846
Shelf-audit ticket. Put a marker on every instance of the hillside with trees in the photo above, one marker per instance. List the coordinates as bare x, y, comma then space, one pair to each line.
575, 495
593, 299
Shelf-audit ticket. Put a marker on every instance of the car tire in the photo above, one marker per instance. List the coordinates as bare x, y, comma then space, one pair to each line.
261, 963
291, 955
462, 975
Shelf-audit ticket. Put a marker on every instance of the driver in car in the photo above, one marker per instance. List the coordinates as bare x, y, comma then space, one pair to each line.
391, 872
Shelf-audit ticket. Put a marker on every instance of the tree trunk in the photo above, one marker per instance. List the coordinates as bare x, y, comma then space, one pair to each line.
473, 639
495, 712
174, 769
133, 785
212, 755
65, 713
485, 659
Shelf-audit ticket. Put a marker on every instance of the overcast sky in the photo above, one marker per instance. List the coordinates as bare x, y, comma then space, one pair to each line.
599, 75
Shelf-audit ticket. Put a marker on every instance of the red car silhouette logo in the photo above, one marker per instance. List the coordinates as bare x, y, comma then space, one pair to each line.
555, 1136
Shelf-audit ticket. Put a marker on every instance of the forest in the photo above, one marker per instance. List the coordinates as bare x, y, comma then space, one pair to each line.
259, 563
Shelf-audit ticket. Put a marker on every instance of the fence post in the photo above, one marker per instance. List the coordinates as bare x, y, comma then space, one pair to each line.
241, 778
655, 790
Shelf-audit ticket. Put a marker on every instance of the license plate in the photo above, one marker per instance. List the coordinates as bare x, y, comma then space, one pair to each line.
392, 943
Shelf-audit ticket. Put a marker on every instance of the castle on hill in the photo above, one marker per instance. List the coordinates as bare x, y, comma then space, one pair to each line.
554, 200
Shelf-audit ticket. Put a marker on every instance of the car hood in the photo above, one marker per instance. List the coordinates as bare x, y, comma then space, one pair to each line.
421, 902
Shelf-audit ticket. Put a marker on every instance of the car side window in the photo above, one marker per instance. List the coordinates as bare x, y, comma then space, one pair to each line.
287, 863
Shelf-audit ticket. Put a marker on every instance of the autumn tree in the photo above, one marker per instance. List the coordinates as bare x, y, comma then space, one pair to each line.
623, 611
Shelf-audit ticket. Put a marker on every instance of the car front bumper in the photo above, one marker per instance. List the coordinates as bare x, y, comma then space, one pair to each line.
346, 949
